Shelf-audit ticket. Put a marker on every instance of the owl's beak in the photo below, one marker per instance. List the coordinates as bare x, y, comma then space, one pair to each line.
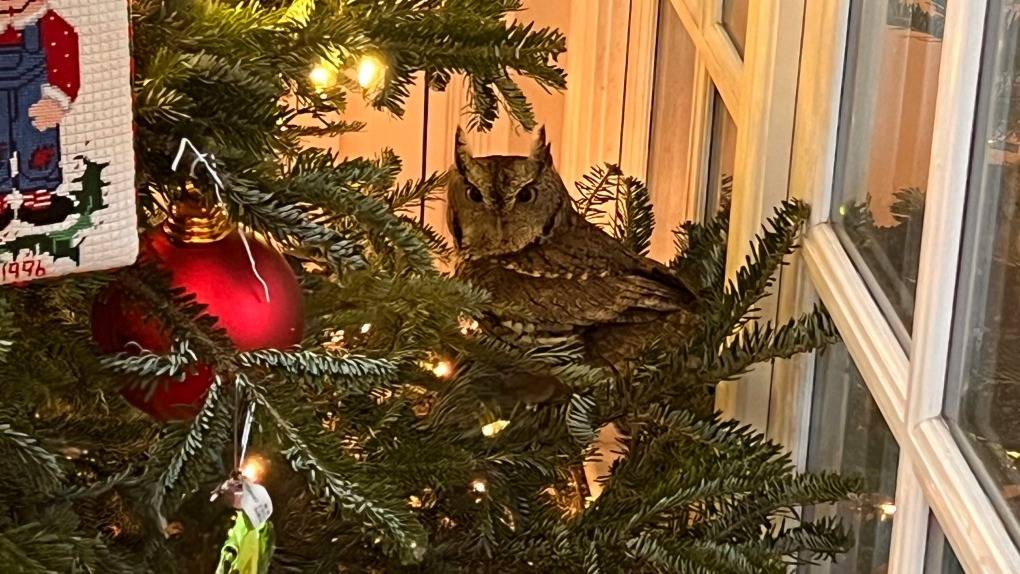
499, 230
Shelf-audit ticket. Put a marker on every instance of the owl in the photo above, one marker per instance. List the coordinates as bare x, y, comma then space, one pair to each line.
556, 277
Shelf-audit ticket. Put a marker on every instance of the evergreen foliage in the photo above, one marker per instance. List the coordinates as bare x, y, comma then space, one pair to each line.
375, 462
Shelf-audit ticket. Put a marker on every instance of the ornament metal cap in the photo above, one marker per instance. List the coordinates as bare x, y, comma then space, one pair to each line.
194, 221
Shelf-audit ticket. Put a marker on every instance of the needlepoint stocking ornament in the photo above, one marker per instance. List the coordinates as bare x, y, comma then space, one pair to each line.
67, 201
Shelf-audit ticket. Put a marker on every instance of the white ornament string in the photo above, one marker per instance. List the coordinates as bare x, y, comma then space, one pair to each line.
218, 184
246, 432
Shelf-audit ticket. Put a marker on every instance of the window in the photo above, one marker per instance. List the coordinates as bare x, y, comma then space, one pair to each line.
692, 135
849, 436
903, 139
721, 158
983, 400
734, 19
672, 124
883, 154
894, 120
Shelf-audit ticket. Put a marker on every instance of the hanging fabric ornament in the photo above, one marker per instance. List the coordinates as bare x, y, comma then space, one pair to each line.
249, 287
67, 198
248, 549
251, 540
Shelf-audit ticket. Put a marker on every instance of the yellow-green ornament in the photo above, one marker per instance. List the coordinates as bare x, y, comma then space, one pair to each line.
247, 550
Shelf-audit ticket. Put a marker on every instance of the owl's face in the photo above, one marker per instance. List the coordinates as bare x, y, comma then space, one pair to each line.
502, 204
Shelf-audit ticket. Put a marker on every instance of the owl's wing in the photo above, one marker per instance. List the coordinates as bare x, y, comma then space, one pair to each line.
581, 279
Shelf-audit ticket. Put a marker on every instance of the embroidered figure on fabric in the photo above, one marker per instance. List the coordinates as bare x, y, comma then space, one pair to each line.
39, 81
28, 252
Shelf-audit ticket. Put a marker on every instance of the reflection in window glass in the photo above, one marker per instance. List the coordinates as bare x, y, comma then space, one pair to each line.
734, 19
983, 392
939, 557
884, 149
849, 435
722, 158
672, 114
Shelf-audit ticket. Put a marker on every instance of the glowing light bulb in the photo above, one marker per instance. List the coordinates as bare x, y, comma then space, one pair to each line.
468, 326
336, 341
369, 71
887, 509
442, 369
253, 468
321, 77
479, 486
366, 328
494, 428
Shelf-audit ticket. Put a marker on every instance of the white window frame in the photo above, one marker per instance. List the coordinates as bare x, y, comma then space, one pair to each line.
909, 391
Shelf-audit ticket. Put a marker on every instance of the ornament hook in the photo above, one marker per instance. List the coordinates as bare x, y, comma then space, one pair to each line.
217, 186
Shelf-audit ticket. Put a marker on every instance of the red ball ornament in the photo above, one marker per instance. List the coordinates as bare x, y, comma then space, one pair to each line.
205, 256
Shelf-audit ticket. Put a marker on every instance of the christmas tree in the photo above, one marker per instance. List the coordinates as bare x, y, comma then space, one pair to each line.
384, 435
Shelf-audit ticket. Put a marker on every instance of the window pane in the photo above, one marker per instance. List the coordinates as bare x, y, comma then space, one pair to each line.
722, 158
849, 435
672, 115
734, 19
884, 147
939, 557
983, 392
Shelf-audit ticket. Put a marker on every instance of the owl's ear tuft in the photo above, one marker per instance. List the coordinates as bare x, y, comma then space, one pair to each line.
541, 152
461, 151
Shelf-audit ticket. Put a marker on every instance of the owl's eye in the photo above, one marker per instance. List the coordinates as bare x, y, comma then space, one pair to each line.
525, 195
474, 195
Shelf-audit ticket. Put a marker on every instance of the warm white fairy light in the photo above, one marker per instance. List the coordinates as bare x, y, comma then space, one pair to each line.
468, 326
888, 509
366, 328
321, 76
494, 428
443, 369
336, 340
253, 468
440, 367
369, 72
479, 486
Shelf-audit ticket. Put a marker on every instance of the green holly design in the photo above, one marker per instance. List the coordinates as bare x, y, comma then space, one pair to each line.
88, 198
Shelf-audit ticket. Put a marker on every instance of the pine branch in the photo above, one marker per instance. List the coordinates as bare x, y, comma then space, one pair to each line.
762, 343
400, 532
635, 220
28, 461
191, 453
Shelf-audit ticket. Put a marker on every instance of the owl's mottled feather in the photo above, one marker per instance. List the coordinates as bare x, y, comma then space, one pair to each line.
557, 277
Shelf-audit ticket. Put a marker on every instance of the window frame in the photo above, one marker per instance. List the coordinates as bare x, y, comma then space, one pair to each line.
910, 391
